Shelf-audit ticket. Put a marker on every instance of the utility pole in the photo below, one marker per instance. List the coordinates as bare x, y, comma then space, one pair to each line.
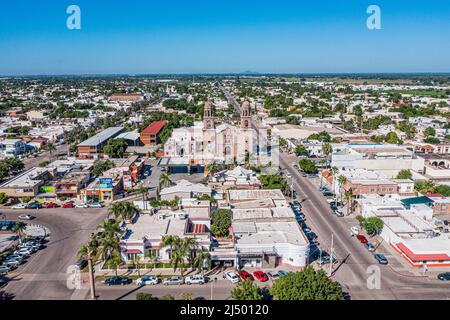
331, 257
91, 277
212, 286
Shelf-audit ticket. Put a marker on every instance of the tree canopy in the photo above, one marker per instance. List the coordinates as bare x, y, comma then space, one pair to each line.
307, 284
116, 148
246, 291
307, 166
220, 222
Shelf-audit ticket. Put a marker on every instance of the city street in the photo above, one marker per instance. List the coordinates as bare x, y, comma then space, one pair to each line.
43, 276
357, 271
354, 274
220, 290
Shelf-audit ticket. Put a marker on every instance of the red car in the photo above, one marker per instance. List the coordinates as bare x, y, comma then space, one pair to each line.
261, 276
68, 205
50, 205
245, 276
361, 238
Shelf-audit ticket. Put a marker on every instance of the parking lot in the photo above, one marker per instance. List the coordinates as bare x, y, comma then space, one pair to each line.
44, 275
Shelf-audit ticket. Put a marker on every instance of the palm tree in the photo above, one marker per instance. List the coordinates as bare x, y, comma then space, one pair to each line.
327, 149
88, 251
341, 180
177, 259
143, 191
170, 241
109, 227
50, 147
188, 245
164, 180
211, 169
349, 196
123, 209
19, 228
201, 258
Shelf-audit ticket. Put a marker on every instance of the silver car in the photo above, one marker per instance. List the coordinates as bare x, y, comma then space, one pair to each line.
173, 280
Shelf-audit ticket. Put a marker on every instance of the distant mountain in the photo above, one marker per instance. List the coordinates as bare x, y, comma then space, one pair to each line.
249, 72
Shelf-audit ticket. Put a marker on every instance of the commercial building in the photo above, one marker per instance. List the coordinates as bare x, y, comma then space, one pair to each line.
26, 184
185, 189
144, 238
93, 147
150, 135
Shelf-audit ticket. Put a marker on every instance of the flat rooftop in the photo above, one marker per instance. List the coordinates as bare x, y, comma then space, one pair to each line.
101, 137
244, 195
268, 233
26, 179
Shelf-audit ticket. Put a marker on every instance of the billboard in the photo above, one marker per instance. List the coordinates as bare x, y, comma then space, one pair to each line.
105, 183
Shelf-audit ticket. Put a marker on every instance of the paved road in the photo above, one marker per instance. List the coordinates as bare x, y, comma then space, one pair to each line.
45, 156
221, 290
43, 276
357, 272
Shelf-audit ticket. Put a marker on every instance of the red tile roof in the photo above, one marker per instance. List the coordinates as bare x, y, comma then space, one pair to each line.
422, 257
132, 251
154, 128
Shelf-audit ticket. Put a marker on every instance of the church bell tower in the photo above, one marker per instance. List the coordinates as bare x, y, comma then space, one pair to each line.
208, 117
246, 117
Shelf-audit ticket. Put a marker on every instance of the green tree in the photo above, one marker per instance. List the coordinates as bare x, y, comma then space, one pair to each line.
220, 222
202, 258
432, 140
19, 229
301, 150
144, 296
123, 209
404, 174
426, 186
430, 132
167, 297
101, 166
116, 148
327, 149
164, 180
392, 138
246, 291
50, 147
307, 166
373, 225
3, 198
307, 284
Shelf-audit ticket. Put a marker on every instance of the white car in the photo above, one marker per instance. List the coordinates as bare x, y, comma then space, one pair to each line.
25, 217
82, 205
96, 205
147, 280
354, 230
195, 279
19, 206
233, 277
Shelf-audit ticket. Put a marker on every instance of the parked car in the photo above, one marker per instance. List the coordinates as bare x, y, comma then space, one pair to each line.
115, 281
282, 273
444, 276
195, 279
338, 212
50, 205
25, 217
68, 205
17, 257
381, 258
25, 250
10, 264
173, 280
147, 280
82, 206
261, 276
361, 238
19, 206
34, 205
245, 276
96, 205
4, 269
233, 277
326, 259
354, 230
3, 281
273, 275
82, 263
369, 246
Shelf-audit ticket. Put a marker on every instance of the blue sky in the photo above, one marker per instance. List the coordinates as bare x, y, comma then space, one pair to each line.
223, 36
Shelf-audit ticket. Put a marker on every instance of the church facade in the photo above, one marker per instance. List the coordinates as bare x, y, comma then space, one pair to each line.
203, 143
